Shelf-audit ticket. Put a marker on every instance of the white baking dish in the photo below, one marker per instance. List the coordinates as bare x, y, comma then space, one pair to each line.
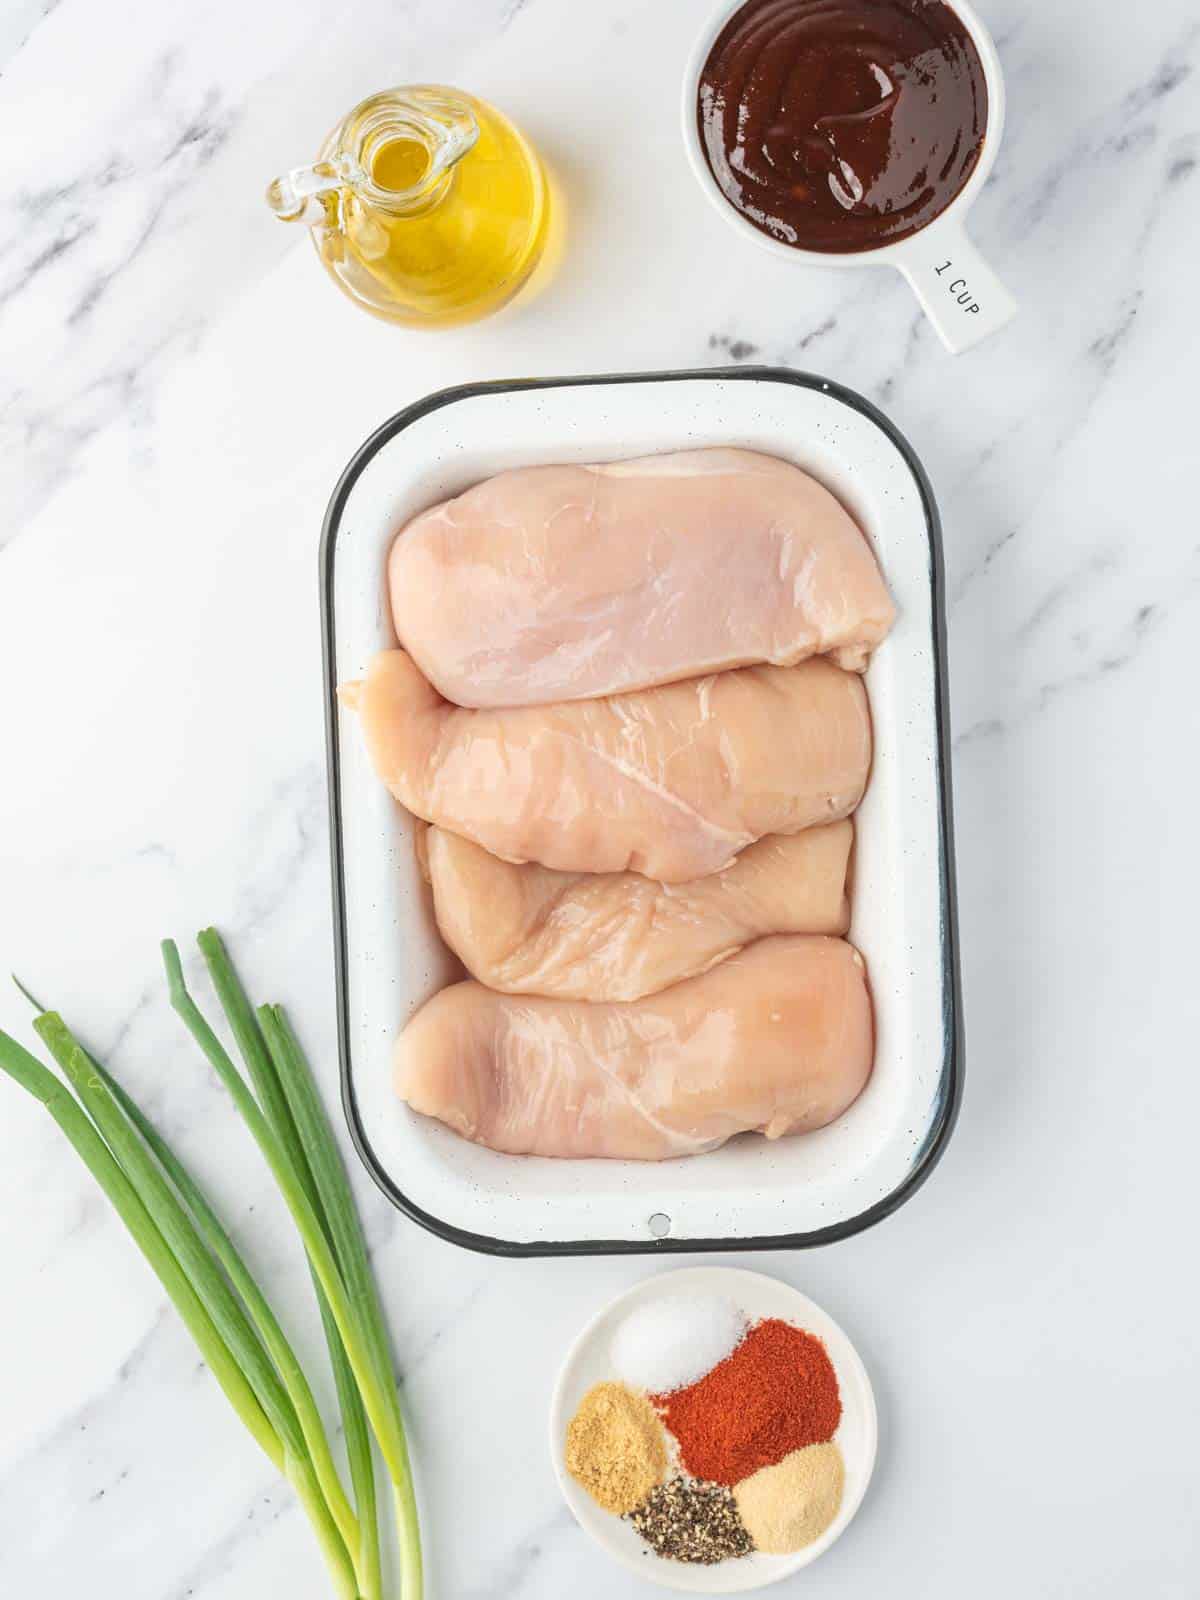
752, 1193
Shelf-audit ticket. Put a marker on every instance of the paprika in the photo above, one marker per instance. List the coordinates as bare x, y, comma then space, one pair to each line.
776, 1393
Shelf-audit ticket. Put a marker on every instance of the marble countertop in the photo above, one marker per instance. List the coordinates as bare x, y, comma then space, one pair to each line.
179, 387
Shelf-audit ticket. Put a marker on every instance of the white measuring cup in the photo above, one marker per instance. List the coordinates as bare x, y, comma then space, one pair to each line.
959, 292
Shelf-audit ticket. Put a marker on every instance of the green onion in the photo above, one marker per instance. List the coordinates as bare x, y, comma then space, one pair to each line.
358, 1451
208, 1280
269, 1087
256, 1303
175, 1250
378, 1394
176, 1228
333, 1187
29, 1072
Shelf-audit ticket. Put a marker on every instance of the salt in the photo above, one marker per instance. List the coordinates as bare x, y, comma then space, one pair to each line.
667, 1344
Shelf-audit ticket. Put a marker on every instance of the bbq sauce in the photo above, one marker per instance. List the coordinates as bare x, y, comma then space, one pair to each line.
842, 125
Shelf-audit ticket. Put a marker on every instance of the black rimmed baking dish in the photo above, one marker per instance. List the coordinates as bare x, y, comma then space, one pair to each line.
751, 1195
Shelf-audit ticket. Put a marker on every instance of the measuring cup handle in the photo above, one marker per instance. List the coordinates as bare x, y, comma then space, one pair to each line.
959, 292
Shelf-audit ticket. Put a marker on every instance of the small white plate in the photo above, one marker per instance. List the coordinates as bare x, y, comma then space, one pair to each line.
589, 1361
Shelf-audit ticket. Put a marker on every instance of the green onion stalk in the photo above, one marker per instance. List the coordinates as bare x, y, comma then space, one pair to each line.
241, 1340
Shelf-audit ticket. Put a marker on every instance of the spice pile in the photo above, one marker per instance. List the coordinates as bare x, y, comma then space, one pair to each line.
689, 1521
719, 1438
615, 1447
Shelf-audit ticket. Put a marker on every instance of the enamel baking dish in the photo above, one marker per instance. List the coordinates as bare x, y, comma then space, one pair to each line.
752, 1194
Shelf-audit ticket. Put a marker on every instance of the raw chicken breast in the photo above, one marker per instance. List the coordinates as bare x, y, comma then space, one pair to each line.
672, 782
565, 583
619, 936
778, 1039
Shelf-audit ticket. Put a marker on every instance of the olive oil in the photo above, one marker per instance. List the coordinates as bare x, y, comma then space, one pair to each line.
427, 206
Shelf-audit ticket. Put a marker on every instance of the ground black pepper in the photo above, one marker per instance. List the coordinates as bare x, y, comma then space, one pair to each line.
686, 1520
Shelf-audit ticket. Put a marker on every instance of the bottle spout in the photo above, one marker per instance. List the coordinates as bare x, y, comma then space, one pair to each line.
394, 153
407, 143
449, 127
299, 196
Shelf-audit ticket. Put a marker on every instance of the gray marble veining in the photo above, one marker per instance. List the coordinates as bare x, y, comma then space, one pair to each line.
179, 387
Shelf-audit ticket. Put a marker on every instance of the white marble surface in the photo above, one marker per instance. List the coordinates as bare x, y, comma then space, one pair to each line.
179, 386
